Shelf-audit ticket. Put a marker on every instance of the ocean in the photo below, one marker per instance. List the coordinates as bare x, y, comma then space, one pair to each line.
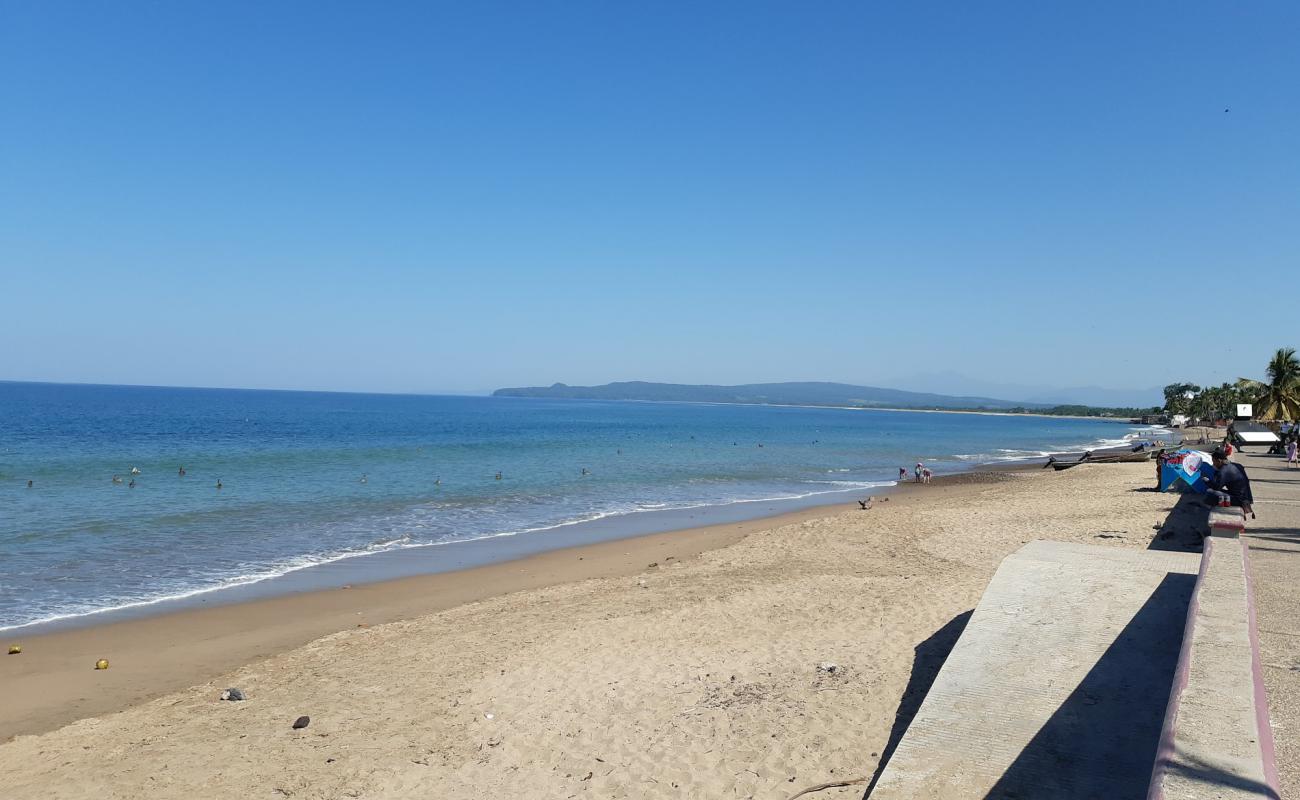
382, 485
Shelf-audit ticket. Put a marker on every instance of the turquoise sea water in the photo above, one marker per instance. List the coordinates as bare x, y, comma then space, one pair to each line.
316, 478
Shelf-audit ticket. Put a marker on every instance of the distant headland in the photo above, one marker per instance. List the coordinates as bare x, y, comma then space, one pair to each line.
813, 393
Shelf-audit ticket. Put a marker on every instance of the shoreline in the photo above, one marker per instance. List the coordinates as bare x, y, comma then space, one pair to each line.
49, 686
457, 555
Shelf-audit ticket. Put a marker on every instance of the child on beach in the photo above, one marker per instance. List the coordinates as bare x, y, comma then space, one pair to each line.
902, 474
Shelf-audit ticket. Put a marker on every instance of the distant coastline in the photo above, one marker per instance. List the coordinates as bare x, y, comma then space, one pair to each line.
982, 412
819, 395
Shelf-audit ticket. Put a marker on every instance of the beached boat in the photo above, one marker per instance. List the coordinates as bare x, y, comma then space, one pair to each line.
1118, 458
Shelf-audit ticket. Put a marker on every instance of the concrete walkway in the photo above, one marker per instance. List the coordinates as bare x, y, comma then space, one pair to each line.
1058, 686
1274, 538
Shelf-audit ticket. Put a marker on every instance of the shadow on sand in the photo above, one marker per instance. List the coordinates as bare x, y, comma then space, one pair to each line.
1187, 524
929, 657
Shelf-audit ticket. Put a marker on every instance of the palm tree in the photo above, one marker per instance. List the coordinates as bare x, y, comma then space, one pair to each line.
1209, 405
1280, 397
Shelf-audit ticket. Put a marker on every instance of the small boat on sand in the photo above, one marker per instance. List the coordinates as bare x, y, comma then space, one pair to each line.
1118, 458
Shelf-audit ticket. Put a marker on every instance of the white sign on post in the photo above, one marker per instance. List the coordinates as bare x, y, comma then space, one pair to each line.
1245, 411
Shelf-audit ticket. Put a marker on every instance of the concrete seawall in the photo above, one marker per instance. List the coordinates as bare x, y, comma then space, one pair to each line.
1216, 741
1090, 672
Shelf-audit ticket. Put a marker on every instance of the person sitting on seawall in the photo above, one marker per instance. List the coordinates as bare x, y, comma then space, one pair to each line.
1230, 483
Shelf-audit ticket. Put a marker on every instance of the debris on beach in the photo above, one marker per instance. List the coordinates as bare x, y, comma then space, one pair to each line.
15, 649
829, 676
641, 582
233, 693
101, 664
301, 722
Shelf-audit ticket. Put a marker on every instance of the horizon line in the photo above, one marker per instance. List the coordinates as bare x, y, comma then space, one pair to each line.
490, 392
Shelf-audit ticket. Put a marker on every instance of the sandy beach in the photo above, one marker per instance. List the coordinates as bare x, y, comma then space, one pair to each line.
673, 665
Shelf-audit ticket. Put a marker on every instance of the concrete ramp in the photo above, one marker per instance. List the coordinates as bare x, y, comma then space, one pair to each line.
1058, 687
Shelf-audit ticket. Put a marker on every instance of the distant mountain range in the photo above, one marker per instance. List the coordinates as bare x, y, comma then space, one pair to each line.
797, 394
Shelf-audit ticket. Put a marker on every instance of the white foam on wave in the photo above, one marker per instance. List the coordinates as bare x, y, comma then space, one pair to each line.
274, 571
405, 542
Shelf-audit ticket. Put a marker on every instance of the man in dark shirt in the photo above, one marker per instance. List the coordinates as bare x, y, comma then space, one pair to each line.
1230, 482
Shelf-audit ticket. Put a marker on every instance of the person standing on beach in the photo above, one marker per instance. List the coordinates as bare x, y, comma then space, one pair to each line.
1291, 452
917, 470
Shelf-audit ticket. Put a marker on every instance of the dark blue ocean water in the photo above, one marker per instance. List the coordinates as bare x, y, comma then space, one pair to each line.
313, 478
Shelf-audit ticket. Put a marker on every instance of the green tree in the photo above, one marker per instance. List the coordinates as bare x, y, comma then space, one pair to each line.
1176, 401
1218, 402
1280, 397
1204, 405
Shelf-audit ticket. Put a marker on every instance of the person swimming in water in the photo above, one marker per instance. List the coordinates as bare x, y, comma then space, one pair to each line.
498, 476
364, 479
218, 483
117, 479
131, 485
181, 472
437, 481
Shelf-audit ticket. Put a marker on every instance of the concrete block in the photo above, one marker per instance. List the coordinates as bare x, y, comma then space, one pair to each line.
1227, 522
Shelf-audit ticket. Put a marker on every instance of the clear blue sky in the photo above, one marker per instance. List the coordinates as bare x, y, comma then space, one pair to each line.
460, 196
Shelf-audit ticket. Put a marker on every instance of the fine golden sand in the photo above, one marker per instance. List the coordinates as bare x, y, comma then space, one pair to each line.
695, 677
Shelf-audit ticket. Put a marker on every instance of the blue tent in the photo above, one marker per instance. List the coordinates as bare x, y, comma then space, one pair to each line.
1192, 467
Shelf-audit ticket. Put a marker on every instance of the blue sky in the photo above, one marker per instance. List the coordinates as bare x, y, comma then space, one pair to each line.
460, 196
